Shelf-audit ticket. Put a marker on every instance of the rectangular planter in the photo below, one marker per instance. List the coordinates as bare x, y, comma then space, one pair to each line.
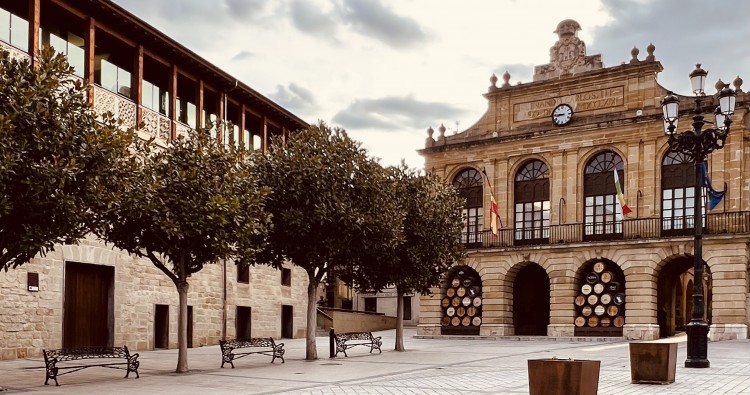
563, 377
653, 363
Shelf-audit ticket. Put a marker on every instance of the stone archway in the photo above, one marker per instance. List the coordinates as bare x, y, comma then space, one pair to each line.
461, 302
531, 301
600, 299
675, 295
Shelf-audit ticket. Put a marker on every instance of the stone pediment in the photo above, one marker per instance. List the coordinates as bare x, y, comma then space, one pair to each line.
568, 55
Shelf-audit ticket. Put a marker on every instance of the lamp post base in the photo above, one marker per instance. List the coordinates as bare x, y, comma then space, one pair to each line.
697, 345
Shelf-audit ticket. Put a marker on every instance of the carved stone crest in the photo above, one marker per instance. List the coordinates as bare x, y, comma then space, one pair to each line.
568, 55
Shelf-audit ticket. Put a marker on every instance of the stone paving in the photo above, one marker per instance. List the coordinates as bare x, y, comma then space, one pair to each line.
429, 366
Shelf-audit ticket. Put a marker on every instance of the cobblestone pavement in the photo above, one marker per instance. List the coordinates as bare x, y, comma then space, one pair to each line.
429, 366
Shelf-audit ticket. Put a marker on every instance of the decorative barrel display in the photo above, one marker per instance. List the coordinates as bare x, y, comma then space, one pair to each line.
462, 303
600, 301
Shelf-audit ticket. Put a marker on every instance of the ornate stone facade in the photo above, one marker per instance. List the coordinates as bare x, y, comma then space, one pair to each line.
616, 114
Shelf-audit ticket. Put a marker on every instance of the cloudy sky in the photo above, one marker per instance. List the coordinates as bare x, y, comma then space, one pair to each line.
386, 70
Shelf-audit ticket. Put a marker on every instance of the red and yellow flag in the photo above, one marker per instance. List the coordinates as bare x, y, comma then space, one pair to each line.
494, 213
620, 198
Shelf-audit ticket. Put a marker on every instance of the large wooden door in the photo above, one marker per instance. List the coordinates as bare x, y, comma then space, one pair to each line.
531, 301
287, 322
88, 317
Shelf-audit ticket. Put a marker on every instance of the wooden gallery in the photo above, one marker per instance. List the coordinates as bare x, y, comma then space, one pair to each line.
90, 294
596, 205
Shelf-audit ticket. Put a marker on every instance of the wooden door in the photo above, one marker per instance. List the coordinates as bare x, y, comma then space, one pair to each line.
287, 322
161, 326
531, 303
88, 314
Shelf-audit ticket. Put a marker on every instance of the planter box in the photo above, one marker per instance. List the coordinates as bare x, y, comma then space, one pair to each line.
563, 377
653, 363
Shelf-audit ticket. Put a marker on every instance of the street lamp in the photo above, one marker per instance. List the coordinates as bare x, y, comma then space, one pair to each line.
697, 144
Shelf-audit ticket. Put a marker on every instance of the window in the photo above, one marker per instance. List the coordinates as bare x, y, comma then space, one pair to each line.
371, 304
155, 98
531, 197
602, 212
243, 274
248, 140
186, 112
113, 77
407, 308
678, 195
14, 30
244, 314
469, 185
286, 277
68, 44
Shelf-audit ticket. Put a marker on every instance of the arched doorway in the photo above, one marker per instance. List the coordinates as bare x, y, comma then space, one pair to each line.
531, 301
600, 299
461, 302
675, 295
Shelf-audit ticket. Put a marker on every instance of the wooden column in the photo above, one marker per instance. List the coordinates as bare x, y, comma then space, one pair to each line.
200, 122
264, 135
89, 74
34, 22
173, 100
137, 82
242, 126
221, 127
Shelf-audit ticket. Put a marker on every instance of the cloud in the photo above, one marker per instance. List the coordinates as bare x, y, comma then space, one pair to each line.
518, 73
373, 19
394, 113
683, 31
294, 98
310, 19
243, 55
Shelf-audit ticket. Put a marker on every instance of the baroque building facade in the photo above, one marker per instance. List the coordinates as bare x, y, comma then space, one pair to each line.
92, 294
568, 259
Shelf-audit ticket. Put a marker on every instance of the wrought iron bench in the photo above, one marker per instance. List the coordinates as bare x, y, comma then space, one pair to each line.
53, 359
347, 340
267, 345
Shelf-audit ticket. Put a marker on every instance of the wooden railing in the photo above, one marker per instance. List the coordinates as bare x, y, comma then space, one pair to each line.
629, 229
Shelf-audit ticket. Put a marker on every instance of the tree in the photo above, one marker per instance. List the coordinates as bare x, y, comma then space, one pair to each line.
431, 243
60, 169
331, 208
191, 203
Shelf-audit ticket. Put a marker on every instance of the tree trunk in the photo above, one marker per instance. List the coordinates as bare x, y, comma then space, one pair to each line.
399, 320
311, 351
182, 361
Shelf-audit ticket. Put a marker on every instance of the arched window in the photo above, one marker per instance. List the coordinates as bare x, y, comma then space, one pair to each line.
469, 185
678, 195
531, 198
602, 212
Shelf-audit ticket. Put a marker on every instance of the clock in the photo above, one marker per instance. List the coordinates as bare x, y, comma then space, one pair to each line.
562, 114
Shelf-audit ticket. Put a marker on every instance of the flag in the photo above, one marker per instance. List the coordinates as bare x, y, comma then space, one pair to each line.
494, 213
714, 196
625, 209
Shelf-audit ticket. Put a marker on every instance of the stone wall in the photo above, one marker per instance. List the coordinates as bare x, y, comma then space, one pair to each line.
31, 321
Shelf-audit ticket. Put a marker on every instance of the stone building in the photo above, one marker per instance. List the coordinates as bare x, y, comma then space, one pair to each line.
566, 261
90, 294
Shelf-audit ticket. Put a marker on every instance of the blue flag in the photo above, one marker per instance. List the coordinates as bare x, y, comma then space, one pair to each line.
714, 196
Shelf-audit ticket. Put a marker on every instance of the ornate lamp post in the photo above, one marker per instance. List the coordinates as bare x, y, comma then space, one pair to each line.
697, 144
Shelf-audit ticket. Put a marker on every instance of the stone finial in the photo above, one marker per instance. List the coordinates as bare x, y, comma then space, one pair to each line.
650, 49
567, 28
430, 132
493, 81
506, 78
634, 53
737, 84
429, 141
719, 85
442, 131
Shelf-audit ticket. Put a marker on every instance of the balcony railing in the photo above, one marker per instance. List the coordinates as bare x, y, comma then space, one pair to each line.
629, 229
15, 53
122, 107
156, 124
181, 129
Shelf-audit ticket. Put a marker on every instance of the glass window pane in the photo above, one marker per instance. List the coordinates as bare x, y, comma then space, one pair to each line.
599, 200
667, 194
589, 201
76, 59
545, 205
667, 204
4, 25
678, 193
123, 82
58, 44
19, 32
690, 192
609, 199
148, 95
191, 112
108, 76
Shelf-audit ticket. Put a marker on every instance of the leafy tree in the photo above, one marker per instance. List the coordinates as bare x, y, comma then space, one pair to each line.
431, 244
331, 207
191, 203
59, 167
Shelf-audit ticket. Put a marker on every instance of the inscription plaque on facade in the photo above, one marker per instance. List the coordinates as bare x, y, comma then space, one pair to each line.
581, 102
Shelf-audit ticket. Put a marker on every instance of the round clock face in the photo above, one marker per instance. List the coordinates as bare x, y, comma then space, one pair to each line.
562, 114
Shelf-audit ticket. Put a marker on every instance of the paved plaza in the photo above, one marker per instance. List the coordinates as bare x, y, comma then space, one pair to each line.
429, 366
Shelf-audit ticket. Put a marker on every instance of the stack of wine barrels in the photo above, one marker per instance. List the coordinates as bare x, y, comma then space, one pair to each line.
601, 301
462, 302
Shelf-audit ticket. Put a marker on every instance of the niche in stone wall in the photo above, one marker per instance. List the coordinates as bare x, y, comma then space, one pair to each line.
600, 299
461, 302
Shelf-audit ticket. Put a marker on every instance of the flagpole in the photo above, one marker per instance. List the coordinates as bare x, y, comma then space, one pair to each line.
489, 185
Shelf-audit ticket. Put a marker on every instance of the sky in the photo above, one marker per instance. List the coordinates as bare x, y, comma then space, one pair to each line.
386, 70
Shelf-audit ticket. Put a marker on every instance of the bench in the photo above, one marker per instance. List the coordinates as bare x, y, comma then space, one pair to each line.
53, 359
347, 340
266, 344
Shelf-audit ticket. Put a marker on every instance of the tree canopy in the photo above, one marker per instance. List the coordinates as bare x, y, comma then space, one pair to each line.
332, 207
191, 203
60, 168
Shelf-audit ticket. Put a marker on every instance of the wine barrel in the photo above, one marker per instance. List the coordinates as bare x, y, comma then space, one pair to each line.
450, 292
605, 321
606, 277
466, 321
471, 311
456, 302
456, 282
455, 321
613, 310
598, 288
619, 299
619, 321
476, 321
445, 321
580, 321
606, 298
579, 301
450, 311
460, 311
477, 302
586, 311
592, 278
445, 302
585, 289
599, 267
593, 321
467, 282
461, 291
599, 310
593, 299
466, 301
